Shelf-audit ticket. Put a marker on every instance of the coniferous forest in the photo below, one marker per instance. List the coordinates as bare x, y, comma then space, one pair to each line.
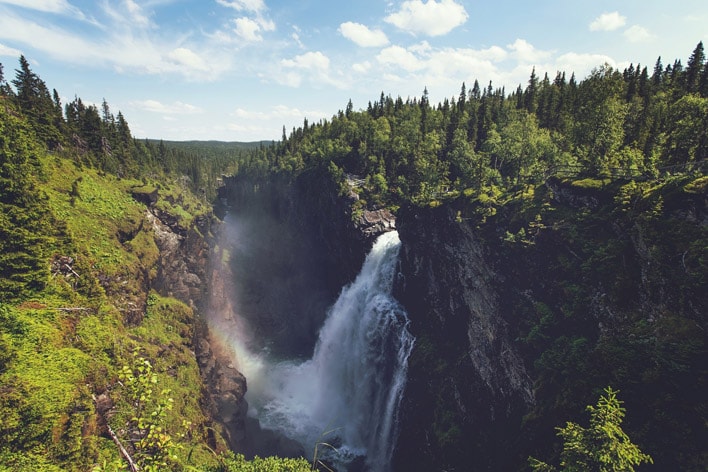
96, 351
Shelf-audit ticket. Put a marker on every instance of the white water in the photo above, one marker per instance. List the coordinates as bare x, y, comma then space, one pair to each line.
349, 392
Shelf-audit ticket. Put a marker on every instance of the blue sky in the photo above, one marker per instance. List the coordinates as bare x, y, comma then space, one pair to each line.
240, 70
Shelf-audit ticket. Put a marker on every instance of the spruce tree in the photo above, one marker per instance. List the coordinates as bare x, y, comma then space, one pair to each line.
35, 101
24, 219
694, 68
602, 447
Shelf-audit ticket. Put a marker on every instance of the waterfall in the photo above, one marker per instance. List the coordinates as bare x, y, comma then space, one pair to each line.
348, 393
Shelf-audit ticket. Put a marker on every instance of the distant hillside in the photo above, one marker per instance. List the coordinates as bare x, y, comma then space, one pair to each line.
215, 147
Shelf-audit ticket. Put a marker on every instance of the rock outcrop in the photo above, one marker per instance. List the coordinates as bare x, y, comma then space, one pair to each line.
184, 256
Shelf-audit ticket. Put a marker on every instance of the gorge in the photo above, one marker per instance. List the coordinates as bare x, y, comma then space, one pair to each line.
406, 287
478, 375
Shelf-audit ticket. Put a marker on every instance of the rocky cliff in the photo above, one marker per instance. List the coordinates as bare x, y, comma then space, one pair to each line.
522, 317
468, 386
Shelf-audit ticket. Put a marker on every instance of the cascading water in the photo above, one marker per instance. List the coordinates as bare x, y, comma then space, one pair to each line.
349, 392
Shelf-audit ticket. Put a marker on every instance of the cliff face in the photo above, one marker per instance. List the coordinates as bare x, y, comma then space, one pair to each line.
523, 317
183, 272
467, 383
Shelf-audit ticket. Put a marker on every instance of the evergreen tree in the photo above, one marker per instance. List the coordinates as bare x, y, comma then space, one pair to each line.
656, 77
24, 219
602, 447
531, 93
35, 101
694, 69
2, 80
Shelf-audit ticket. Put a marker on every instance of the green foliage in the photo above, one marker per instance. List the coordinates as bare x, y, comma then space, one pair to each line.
25, 224
602, 447
154, 446
63, 335
238, 463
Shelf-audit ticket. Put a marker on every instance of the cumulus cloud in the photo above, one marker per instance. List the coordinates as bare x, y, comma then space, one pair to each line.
362, 35
581, 64
429, 18
247, 29
525, 52
637, 34
608, 22
309, 60
176, 108
400, 57
314, 66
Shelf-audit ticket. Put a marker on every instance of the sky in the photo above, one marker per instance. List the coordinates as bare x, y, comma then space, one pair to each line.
240, 70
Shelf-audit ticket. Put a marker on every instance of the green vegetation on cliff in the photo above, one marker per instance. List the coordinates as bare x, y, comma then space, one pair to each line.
91, 355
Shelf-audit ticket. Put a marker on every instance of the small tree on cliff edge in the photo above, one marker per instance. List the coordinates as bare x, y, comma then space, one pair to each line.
603, 447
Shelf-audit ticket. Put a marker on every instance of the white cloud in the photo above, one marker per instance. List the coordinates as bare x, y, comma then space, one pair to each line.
255, 6
608, 22
126, 14
296, 38
49, 6
188, 58
637, 34
362, 35
278, 112
60, 7
309, 60
176, 108
250, 30
581, 64
493, 53
314, 66
8, 51
120, 50
137, 16
400, 57
429, 18
527, 53
362, 67
247, 29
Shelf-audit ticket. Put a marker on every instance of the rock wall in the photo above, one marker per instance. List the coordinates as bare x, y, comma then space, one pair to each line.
523, 317
468, 387
184, 272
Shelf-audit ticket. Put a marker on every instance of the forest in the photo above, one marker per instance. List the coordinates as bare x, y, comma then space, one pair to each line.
81, 319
